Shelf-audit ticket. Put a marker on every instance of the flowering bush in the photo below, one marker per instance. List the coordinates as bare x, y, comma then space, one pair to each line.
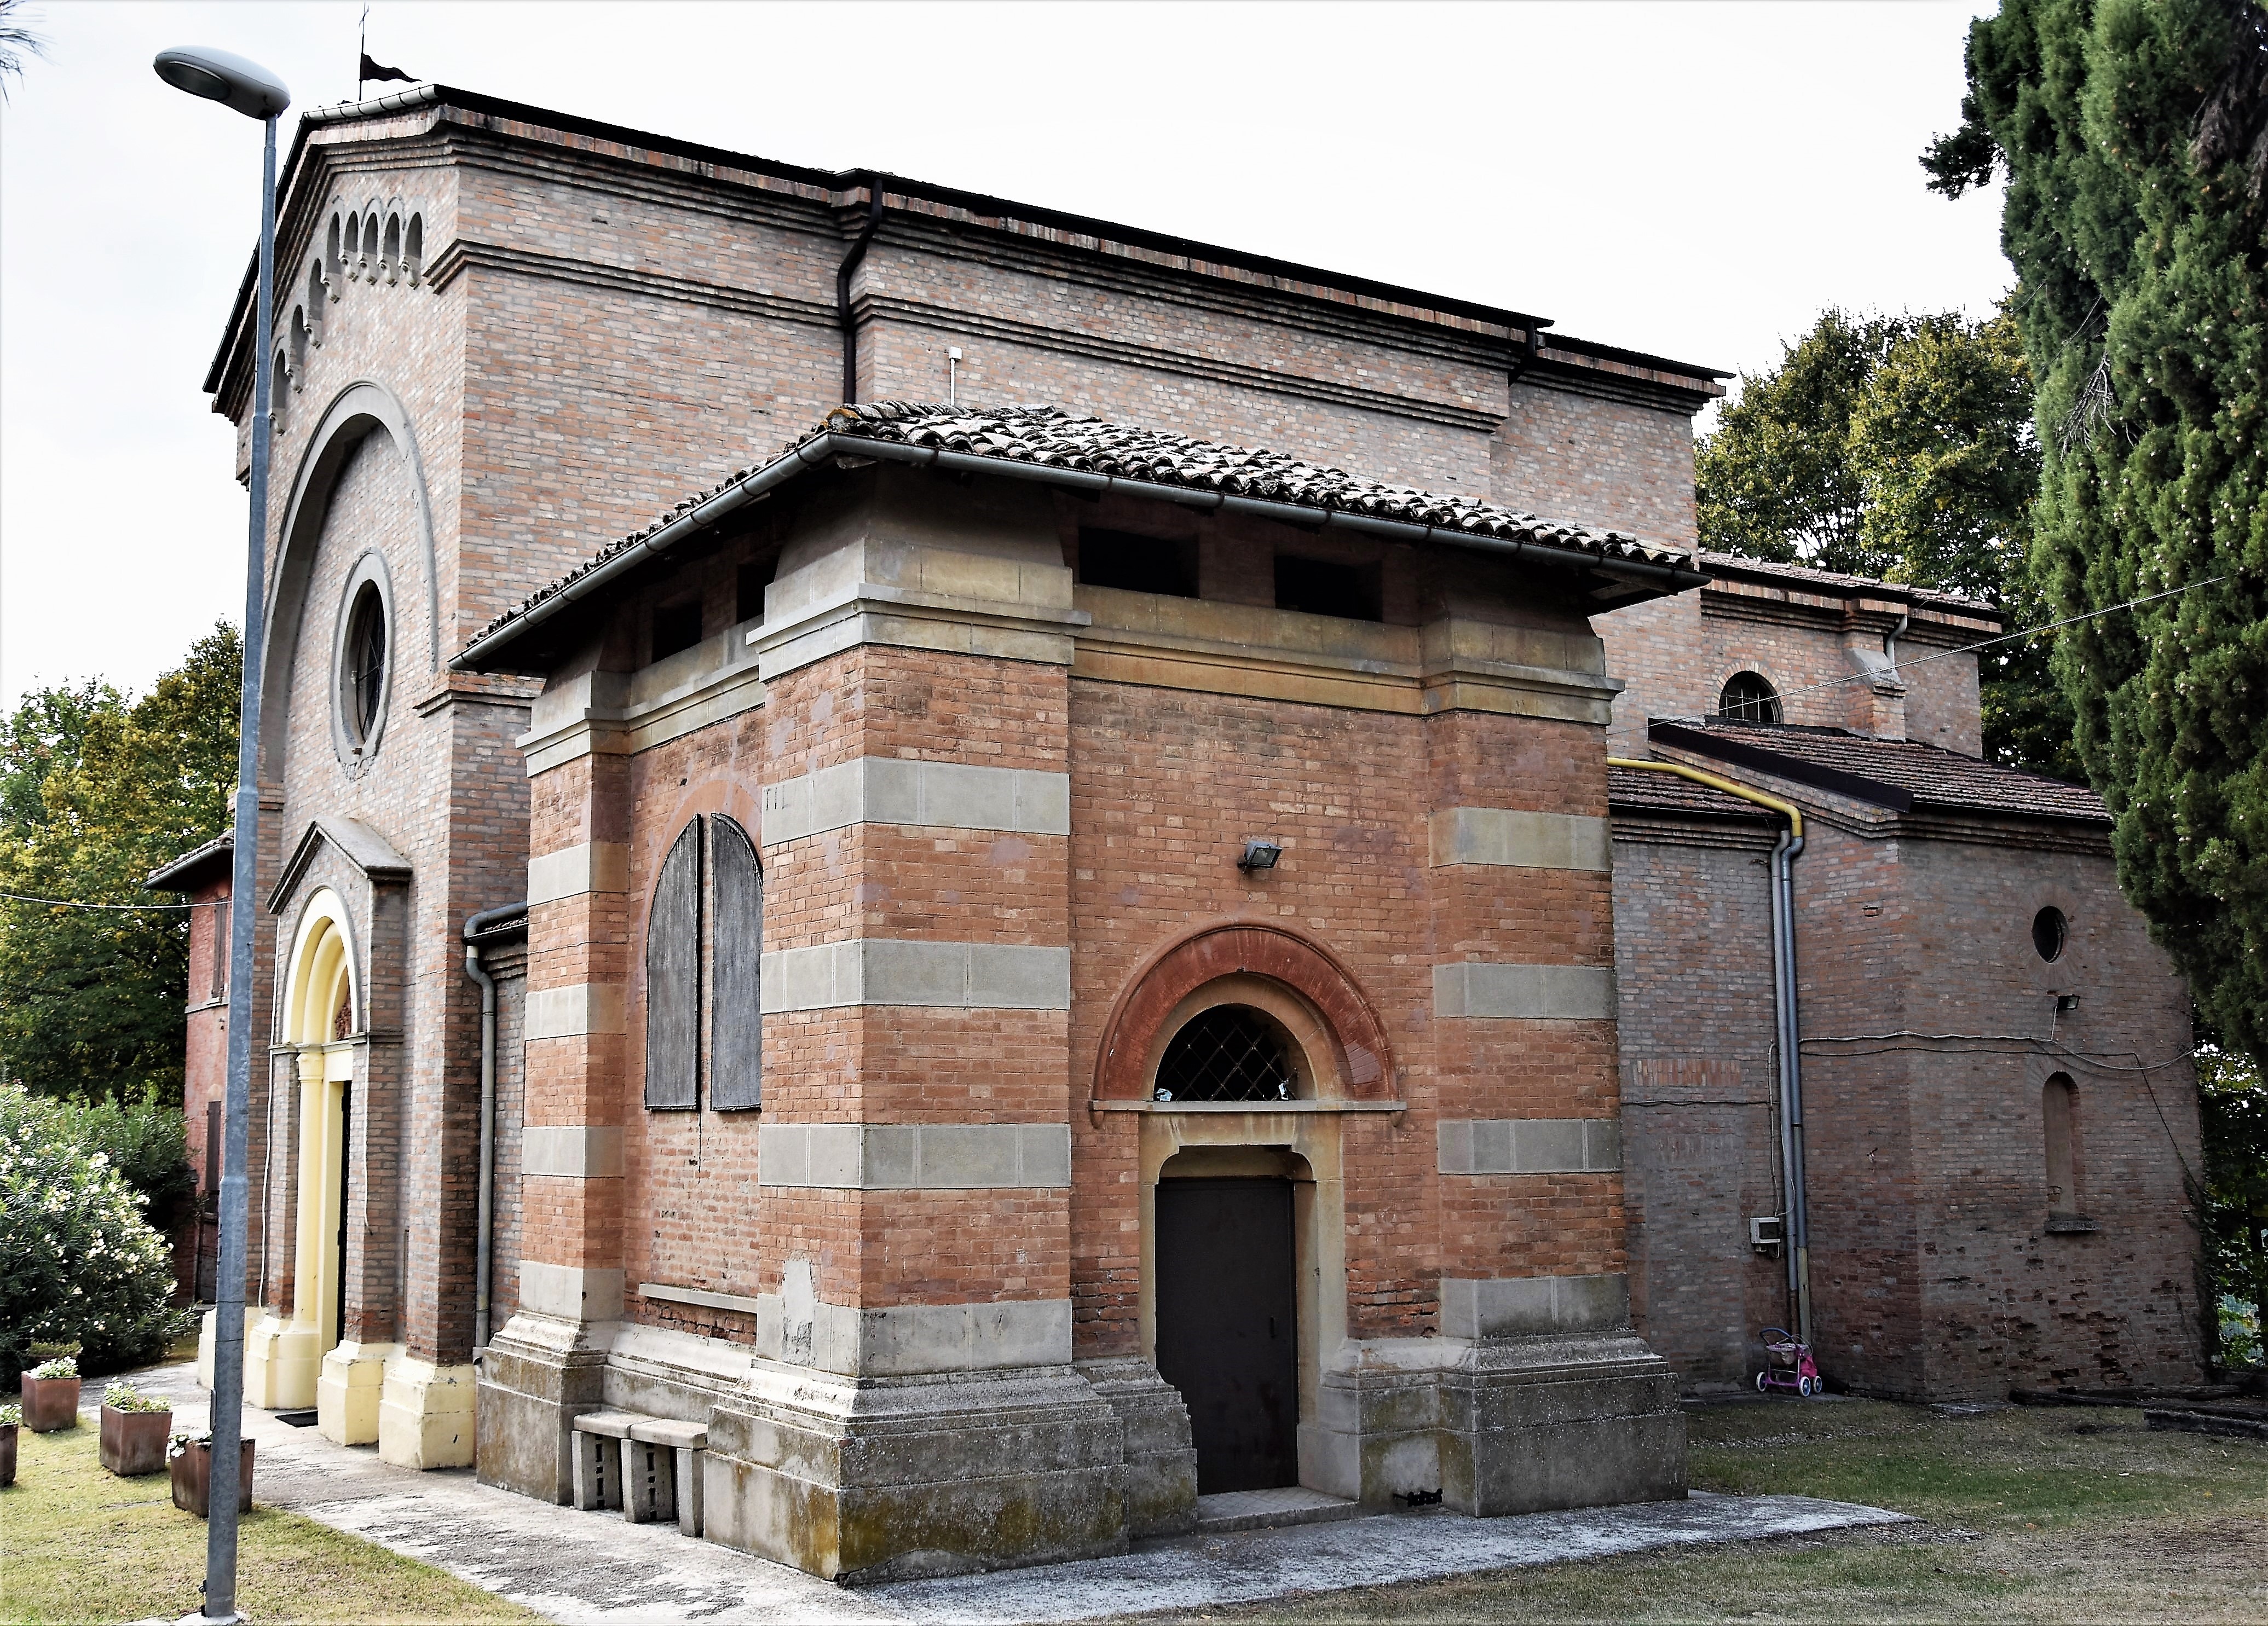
62, 1366
77, 1263
12, 1415
126, 1397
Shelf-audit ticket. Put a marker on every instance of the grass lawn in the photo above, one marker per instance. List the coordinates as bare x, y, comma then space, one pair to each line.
78, 1544
2052, 1515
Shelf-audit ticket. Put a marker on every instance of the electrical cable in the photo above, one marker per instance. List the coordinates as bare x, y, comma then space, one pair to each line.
72, 903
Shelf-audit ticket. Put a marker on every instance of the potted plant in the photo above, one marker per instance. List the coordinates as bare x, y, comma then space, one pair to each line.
51, 1388
189, 1459
10, 1415
135, 1427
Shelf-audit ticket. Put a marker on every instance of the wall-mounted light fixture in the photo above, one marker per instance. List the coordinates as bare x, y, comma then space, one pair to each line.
1259, 855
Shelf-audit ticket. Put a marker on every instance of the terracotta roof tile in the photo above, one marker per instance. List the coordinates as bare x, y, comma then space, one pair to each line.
1633, 789
1055, 437
1932, 776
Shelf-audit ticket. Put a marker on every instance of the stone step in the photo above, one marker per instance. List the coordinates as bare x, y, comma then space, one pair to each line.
1268, 1510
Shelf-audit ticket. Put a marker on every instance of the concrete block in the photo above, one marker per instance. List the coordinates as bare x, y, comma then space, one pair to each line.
1602, 1143
890, 971
593, 866
1502, 837
572, 1152
1490, 989
569, 1012
967, 1155
569, 1293
1513, 1306
1541, 1145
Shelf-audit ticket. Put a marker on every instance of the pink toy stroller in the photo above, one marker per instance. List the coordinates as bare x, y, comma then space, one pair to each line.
1787, 1365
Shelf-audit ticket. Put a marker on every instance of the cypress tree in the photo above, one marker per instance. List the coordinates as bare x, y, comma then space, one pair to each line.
2134, 138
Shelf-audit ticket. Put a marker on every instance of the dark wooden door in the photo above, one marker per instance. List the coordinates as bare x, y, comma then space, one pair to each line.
1226, 1337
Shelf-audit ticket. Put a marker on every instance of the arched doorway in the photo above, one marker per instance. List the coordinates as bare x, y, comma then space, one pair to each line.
321, 1017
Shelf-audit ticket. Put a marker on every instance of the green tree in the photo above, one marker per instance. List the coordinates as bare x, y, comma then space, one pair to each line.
2134, 138
1901, 447
96, 790
2232, 1112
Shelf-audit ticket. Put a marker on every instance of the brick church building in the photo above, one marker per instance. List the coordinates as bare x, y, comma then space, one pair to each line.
921, 986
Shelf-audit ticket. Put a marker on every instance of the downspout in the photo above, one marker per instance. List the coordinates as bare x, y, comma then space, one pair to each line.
485, 1225
843, 275
1786, 1031
1890, 640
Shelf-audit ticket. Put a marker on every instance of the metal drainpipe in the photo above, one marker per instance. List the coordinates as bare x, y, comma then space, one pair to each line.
843, 273
1797, 1246
482, 1245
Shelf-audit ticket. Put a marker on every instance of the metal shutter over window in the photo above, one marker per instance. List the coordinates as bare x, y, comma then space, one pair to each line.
673, 979
736, 1023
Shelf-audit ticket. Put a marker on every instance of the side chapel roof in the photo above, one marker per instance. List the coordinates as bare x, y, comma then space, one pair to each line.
1066, 448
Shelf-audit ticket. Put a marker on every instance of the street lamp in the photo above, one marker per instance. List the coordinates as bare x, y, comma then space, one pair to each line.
251, 90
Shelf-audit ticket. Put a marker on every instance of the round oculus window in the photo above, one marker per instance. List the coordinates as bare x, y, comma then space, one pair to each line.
2048, 932
364, 695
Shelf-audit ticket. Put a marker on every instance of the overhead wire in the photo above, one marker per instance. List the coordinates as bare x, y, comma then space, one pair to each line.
1970, 649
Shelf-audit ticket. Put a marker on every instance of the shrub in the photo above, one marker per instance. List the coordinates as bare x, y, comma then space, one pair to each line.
12, 1415
62, 1366
126, 1397
77, 1263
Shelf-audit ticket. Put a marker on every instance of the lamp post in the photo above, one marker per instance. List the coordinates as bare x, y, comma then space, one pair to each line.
251, 90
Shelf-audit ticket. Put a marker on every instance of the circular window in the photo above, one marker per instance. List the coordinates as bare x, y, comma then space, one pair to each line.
2048, 932
364, 686
1749, 698
1230, 1053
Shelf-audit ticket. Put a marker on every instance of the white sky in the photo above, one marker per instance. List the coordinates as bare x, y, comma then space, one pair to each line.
1697, 181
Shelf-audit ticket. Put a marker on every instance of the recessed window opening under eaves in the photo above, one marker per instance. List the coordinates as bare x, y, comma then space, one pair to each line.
1323, 587
1134, 563
676, 627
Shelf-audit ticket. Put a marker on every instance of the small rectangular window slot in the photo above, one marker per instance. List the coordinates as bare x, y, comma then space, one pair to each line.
1320, 587
1134, 563
676, 627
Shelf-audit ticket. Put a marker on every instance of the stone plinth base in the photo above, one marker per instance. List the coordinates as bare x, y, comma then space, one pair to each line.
282, 1360
347, 1392
1499, 1425
880, 1479
1160, 1477
426, 1415
537, 1376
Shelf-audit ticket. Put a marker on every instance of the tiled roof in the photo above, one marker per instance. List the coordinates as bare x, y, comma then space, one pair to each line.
1717, 563
1052, 437
176, 874
1929, 775
1631, 788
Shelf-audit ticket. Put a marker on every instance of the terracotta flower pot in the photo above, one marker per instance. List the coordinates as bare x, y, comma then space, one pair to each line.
8, 1456
50, 1403
134, 1442
193, 1480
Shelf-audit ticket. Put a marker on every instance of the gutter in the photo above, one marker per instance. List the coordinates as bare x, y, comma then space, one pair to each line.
485, 1246
1797, 1218
821, 448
